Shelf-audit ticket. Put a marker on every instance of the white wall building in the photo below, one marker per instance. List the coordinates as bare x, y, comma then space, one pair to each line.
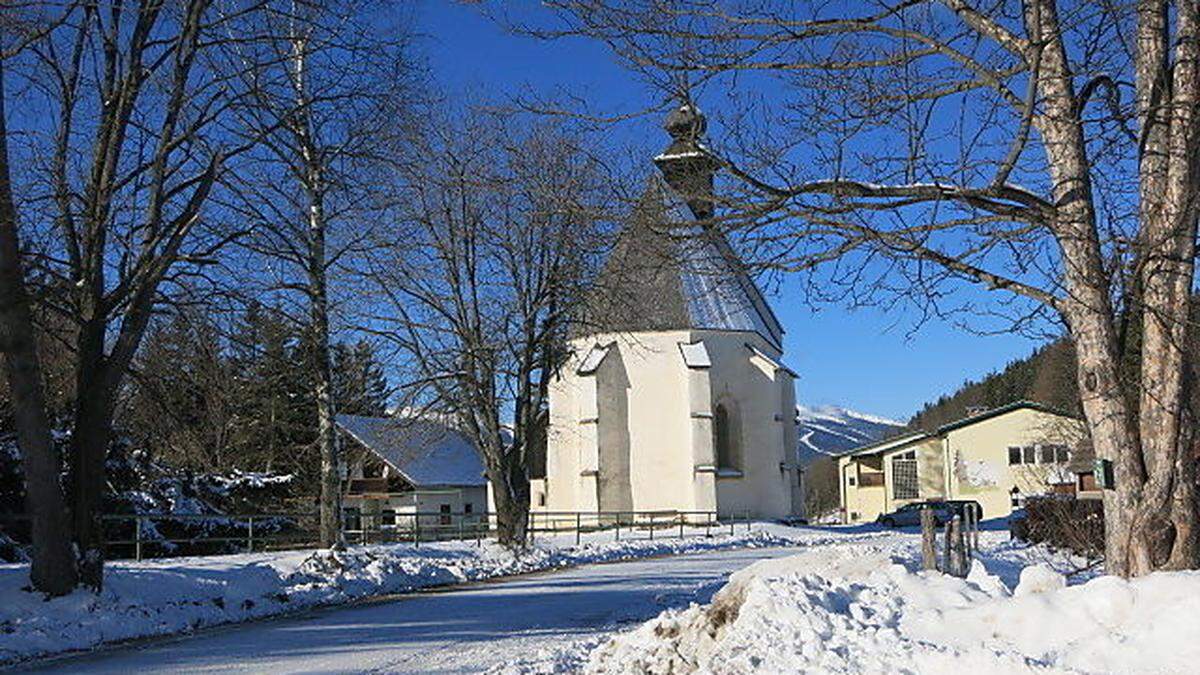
400, 466
676, 397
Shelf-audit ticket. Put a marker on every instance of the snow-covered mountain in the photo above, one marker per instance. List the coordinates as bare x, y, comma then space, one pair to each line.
832, 430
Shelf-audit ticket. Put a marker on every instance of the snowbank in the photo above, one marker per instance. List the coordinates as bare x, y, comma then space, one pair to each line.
857, 610
182, 594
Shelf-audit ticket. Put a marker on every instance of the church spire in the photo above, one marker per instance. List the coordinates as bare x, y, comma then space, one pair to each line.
686, 164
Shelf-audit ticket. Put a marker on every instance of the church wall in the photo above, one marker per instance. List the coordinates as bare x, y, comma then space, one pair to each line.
638, 432
566, 436
764, 400
613, 484
620, 438
660, 423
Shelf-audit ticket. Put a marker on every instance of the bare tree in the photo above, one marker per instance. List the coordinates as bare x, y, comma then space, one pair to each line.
52, 567
1046, 149
332, 90
127, 159
496, 238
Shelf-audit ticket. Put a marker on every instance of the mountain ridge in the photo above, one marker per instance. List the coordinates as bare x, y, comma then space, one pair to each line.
830, 430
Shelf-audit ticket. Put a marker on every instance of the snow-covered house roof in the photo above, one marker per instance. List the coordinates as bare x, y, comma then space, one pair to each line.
426, 452
668, 272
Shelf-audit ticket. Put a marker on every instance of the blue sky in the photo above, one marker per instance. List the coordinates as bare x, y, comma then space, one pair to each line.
865, 359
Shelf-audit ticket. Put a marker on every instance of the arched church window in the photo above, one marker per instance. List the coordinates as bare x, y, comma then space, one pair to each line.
725, 438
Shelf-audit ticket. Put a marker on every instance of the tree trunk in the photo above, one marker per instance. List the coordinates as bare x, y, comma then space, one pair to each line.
510, 490
52, 569
1086, 307
331, 529
91, 432
1169, 233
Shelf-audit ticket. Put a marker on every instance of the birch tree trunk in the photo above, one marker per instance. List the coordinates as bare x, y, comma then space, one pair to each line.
52, 568
312, 163
323, 378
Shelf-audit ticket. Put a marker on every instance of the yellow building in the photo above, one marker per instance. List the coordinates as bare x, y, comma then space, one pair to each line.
995, 457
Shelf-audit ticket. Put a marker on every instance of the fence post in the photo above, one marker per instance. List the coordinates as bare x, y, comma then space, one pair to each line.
417, 528
959, 565
974, 529
618, 526
732, 520
250, 534
578, 526
681, 526
966, 532
137, 539
708, 525
928, 540
946, 550
651, 526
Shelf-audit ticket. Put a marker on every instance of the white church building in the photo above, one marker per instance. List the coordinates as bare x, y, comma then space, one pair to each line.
676, 396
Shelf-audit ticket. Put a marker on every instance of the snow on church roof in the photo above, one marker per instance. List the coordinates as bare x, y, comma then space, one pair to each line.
718, 292
669, 272
426, 452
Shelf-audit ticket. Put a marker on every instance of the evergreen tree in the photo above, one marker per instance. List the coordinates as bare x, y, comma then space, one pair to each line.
360, 386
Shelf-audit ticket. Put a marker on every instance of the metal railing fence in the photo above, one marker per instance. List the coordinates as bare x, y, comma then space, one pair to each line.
152, 535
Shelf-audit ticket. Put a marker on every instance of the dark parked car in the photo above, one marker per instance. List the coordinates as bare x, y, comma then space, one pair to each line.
910, 514
960, 507
943, 512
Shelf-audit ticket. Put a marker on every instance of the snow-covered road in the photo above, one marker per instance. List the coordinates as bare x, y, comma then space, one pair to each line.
466, 629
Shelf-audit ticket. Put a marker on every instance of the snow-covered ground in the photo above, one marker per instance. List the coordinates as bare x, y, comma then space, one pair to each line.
864, 609
840, 600
465, 629
182, 594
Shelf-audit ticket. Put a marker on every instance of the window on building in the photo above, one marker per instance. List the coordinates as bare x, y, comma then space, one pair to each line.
541, 499
850, 481
1046, 454
468, 508
1061, 454
445, 511
1087, 482
1014, 455
904, 476
1029, 454
725, 438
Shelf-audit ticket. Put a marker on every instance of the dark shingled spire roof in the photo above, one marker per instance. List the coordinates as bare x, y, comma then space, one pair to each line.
668, 272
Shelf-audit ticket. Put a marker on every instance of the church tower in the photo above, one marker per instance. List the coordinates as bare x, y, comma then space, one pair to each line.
676, 397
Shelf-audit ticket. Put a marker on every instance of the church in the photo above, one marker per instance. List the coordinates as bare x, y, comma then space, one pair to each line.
675, 396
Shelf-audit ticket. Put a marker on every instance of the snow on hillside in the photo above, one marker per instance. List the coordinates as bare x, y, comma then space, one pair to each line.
833, 430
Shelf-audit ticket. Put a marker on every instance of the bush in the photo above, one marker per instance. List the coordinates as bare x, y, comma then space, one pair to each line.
1064, 522
138, 485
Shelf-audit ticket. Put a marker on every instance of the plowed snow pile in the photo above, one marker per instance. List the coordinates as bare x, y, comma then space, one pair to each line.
853, 610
